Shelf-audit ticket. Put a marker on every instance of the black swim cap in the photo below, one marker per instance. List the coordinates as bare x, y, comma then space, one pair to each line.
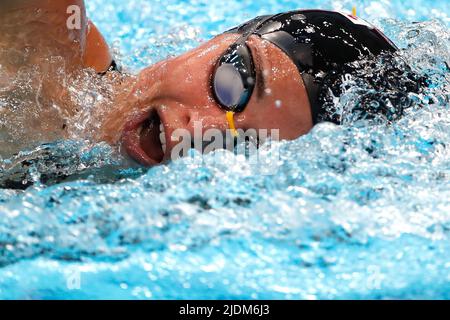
319, 42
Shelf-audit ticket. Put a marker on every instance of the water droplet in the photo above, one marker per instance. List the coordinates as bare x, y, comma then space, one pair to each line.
298, 17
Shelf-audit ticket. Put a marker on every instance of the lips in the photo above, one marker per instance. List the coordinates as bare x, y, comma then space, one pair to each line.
144, 138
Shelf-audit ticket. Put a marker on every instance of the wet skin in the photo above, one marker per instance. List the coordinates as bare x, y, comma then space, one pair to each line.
40, 28
34, 36
175, 92
179, 91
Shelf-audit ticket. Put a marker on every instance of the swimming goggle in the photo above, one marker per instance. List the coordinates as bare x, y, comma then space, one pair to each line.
234, 77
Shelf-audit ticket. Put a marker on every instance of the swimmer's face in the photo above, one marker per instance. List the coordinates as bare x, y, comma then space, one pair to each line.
177, 92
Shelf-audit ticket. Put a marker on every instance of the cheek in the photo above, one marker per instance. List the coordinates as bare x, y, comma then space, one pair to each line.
286, 108
191, 78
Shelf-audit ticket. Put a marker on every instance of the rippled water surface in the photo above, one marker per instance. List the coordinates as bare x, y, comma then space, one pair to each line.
351, 211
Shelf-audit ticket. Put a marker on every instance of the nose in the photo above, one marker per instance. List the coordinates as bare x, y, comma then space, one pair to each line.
181, 90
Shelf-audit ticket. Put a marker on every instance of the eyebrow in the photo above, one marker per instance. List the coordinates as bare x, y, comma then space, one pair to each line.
261, 82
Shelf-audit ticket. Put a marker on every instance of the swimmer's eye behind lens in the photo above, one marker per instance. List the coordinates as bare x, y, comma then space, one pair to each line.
234, 78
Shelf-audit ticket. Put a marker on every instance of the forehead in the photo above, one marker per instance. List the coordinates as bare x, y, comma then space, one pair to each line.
217, 46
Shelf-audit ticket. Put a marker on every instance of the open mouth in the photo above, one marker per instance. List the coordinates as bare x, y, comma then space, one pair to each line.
144, 139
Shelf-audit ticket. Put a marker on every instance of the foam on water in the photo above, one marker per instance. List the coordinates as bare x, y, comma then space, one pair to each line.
351, 211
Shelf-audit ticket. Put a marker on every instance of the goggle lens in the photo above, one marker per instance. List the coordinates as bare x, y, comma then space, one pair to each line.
234, 78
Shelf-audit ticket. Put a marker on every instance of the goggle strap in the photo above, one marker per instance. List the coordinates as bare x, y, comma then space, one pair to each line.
230, 120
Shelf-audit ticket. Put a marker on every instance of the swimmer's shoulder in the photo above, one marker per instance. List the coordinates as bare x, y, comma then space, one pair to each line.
42, 25
97, 54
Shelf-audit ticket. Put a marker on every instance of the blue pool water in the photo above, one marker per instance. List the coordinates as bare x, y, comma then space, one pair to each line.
356, 211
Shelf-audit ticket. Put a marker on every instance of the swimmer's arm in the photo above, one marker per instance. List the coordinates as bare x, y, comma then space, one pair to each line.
52, 28
32, 31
